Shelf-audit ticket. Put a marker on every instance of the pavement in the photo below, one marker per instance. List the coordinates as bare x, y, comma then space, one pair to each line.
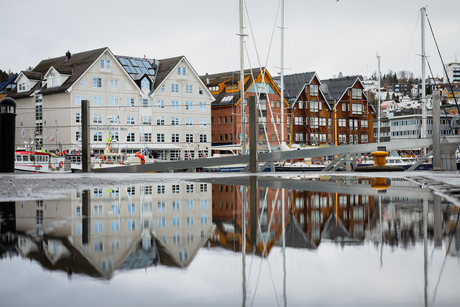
15, 186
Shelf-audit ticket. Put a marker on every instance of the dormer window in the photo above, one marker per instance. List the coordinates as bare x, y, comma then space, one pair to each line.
55, 79
23, 86
145, 84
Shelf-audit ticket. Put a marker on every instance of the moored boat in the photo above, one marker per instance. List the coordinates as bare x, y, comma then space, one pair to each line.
39, 162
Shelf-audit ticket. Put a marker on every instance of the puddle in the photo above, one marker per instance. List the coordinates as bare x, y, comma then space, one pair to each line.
327, 241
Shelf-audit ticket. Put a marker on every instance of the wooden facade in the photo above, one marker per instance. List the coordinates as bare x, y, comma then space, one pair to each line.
333, 111
226, 109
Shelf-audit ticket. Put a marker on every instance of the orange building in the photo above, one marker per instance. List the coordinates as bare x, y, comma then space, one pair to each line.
226, 109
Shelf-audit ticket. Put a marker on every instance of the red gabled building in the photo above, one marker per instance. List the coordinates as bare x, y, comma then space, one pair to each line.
226, 109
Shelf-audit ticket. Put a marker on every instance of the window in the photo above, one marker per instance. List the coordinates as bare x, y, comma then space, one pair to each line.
97, 100
189, 138
105, 64
342, 122
356, 93
356, 108
78, 136
175, 188
322, 121
298, 137
314, 138
145, 103
145, 137
204, 219
162, 88
130, 102
190, 220
160, 137
203, 187
131, 225
189, 105
160, 121
203, 106
114, 119
160, 104
322, 137
176, 204
161, 222
175, 138
203, 138
83, 82
161, 189
364, 138
174, 155
98, 227
176, 237
202, 122
145, 84
131, 191
130, 137
364, 123
188, 89
114, 84
114, 101
174, 88
130, 119
300, 105
298, 121
146, 120
189, 188
181, 71
114, 226
189, 121
175, 105
97, 82
313, 90
97, 118
314, 122
78, 99
77, 117
97, 136
200, 91
314, 106
161, 206
344, 107
175, 121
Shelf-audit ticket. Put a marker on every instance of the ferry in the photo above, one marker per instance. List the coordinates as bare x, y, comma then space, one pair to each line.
39, 162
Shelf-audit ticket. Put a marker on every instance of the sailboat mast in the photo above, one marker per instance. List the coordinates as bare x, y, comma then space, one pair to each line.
282, 72
243, 122
424, 111
378, 111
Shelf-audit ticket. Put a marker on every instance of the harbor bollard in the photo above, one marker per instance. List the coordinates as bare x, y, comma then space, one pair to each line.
380, 158
7, 134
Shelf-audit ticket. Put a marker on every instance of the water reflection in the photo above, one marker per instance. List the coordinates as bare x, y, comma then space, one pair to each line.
107, 230
102, 230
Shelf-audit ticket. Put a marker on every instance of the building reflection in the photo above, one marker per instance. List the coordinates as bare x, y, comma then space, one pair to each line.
228, 210
128, 228
333, 216
124, 228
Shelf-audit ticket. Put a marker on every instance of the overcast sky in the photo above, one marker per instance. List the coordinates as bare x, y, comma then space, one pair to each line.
325, 36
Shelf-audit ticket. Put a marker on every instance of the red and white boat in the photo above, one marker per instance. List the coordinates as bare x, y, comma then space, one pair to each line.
39, 162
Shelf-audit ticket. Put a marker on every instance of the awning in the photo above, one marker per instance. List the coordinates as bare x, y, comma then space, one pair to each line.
132, 146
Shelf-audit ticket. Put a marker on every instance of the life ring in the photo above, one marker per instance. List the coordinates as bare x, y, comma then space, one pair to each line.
61, 164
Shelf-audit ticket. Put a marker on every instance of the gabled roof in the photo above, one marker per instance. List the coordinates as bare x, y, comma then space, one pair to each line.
75, 67
336, 88
32, 75
294, 84
231, 77
295, 237
4, 84
165, 68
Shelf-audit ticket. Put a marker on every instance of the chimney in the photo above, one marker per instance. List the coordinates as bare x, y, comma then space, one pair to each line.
68, 55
